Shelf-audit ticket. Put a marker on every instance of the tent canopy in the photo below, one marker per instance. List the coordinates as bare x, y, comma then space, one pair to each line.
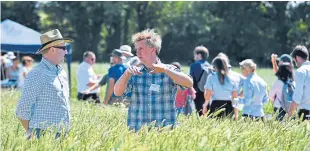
19, 38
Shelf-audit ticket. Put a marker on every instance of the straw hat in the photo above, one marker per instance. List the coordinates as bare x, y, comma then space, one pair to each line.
52, 38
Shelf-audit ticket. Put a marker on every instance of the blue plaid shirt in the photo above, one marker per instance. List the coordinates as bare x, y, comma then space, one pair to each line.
148, 106
45, 97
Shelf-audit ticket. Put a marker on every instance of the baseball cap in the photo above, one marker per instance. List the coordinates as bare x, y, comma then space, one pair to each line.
118, 53
285, 58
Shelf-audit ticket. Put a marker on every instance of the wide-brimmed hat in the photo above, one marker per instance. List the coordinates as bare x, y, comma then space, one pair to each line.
52, 38
126, 50
10, 55
118, 53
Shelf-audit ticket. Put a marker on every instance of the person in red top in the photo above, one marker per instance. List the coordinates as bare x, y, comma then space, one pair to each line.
184, 98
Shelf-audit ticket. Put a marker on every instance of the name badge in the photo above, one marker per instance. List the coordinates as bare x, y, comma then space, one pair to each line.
154, 87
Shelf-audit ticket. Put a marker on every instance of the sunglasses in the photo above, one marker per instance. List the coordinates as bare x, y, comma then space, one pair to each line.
61, 47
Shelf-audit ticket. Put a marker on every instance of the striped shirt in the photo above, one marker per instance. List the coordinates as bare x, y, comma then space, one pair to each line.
152, 99
45, 97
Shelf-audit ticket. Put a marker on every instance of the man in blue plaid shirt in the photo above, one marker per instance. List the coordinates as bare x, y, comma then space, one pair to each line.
152, 83
45, 97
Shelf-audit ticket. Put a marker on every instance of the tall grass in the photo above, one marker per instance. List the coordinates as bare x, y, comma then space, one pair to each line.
98, 127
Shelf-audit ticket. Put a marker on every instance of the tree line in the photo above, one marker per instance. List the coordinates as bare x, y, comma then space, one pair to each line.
239, 29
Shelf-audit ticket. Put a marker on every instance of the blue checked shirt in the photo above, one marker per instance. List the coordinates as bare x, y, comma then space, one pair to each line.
149, 106
45, 97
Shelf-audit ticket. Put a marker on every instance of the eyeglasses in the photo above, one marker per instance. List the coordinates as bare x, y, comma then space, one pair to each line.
61, 47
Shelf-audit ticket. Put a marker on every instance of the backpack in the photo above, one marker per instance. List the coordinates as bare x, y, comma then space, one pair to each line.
287, 95
206, 70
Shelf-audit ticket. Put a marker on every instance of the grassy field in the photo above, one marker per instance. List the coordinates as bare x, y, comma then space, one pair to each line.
98, 127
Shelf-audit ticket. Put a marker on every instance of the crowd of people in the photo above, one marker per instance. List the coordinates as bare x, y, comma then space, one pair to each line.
12, 72
156, 93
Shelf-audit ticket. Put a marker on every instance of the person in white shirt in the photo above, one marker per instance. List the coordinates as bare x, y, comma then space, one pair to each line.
86, 78
27, 66
301, 97
130, 60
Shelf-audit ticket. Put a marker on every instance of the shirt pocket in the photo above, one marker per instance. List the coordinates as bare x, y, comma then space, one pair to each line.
165, 86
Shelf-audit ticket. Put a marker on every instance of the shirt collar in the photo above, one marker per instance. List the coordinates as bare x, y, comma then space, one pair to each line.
144, 68
250, 75
306, 63
51, 66
87, 64
201, 61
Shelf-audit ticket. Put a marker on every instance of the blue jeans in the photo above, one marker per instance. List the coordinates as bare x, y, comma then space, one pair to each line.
38, 133
179, 110
188, 109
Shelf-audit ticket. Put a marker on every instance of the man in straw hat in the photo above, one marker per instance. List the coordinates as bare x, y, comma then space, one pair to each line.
153, 85
44, 100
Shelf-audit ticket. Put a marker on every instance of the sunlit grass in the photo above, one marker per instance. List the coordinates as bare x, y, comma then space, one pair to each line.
98, 127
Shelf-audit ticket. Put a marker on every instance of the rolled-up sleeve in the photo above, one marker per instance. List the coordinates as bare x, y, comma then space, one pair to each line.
29, 95
175, 69
298, 93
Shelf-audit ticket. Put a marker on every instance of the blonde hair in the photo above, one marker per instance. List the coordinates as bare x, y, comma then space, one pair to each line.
152, 38
248, 64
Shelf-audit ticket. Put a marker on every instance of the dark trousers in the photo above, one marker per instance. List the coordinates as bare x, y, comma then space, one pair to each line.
281, 113
221, 104
94, 96
253, 117
199, 101
304, 114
